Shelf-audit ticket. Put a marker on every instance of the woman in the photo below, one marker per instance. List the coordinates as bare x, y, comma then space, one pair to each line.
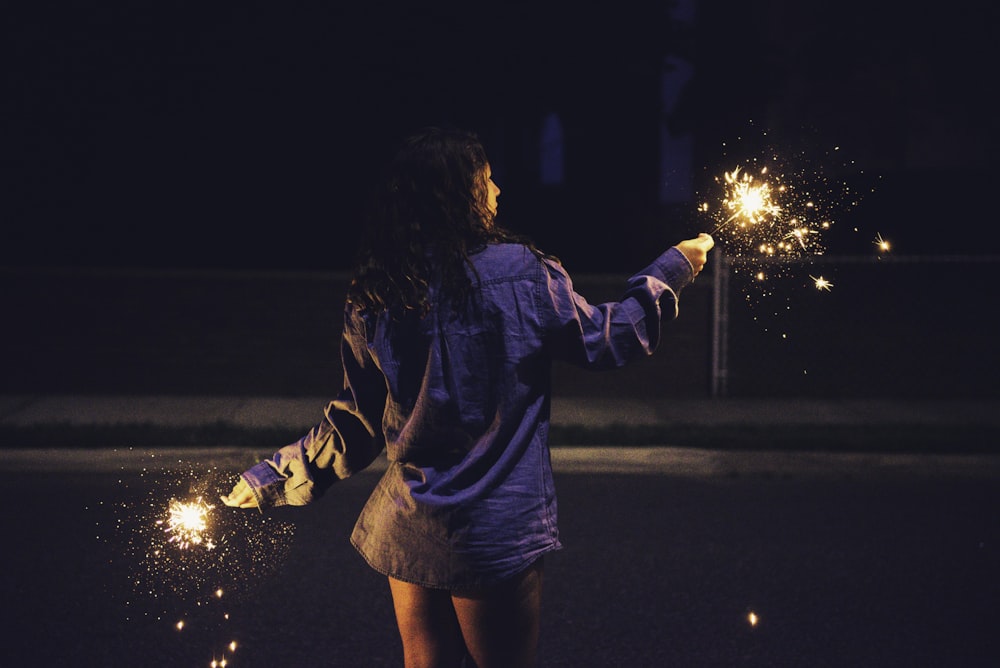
451, 326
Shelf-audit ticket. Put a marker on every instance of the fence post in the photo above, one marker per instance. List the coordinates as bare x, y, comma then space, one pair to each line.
720, 326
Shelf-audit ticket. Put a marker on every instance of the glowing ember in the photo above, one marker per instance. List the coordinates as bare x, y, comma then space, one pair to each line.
881, 243
752, 618
222, 662
188, 522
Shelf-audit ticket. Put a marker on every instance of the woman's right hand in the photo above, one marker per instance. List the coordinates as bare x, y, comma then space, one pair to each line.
696, 251
241, 496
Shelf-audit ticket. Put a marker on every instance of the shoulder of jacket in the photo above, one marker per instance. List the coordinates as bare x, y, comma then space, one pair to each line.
506, 259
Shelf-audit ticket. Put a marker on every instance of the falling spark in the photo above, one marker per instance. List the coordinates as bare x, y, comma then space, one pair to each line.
881, 243
222, 661
188, 523
821, 283
800, 234
752, 618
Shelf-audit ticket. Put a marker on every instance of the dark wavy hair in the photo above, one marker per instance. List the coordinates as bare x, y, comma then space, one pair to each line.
426, 216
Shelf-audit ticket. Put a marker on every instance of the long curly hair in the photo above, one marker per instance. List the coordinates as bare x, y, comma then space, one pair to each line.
426, 217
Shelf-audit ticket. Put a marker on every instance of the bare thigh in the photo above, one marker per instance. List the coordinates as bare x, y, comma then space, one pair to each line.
500, 625
496, 627
427, 625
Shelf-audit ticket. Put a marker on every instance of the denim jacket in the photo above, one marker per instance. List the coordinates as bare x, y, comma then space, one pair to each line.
459, 401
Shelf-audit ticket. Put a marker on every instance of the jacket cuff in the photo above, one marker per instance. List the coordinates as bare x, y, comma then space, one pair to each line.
677, 269
267, 486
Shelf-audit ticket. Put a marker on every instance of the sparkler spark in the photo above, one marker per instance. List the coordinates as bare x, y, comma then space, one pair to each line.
184, 560
188, 522
749, 202
766, 212
180, 550
222, 662
771, 213
881, 243
771, 207
821, 283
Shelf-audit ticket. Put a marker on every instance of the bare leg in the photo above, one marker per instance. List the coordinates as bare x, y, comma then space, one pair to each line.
501, 624
427, 626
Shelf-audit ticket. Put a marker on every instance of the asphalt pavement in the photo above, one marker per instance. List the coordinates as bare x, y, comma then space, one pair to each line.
674, 565
673, 555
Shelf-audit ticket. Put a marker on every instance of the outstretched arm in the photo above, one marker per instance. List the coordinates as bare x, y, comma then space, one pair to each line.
347, 440
610, 334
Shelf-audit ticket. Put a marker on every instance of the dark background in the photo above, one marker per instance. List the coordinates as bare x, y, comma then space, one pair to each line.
241, 135
181, 181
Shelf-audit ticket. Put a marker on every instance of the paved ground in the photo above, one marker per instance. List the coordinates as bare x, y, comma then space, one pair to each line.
853, 562
848, 556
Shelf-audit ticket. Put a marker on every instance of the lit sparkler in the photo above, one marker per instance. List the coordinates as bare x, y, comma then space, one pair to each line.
188, 522
749, 202
771, 214
767, 216
184, 559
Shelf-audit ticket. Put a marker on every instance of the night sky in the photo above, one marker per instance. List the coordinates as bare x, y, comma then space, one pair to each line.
243, 135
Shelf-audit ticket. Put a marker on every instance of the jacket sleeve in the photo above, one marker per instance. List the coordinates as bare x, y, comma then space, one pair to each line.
346, 440
612, 334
